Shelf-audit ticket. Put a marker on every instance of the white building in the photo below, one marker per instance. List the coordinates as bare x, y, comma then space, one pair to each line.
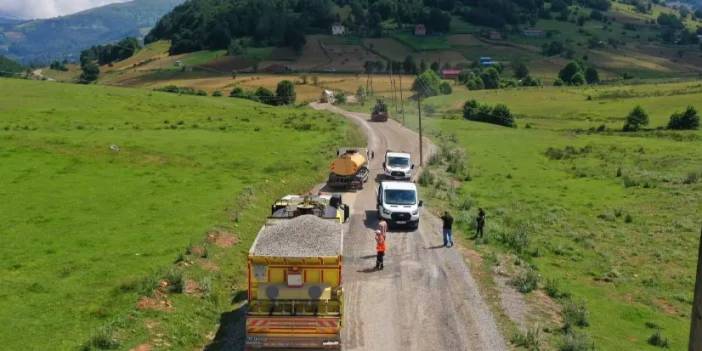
338, 29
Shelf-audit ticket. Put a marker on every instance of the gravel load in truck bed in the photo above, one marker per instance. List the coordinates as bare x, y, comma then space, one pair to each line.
304, 236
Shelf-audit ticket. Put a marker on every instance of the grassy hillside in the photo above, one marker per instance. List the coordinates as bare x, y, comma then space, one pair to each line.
106, 188
625, 243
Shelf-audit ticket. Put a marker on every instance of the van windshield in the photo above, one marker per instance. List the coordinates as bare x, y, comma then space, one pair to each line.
398, 162
400, 197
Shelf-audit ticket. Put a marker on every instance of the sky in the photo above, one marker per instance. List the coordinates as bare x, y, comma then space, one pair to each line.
29, 9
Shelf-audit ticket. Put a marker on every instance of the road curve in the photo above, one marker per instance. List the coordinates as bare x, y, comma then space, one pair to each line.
426, 298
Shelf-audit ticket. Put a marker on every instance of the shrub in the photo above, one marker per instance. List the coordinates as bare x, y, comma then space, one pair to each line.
500, 114
103, 339
238, 92
527, 281
445, 88
636, 118
553, 289
285, 93
217, 93
691, 178
517, 240
686, 120
575, 314
628, 218
466, 204
340, 97
426, 178
657, 339
531, 340
175, 281
573, 341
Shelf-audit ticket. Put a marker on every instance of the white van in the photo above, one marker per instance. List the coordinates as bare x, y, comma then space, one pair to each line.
398, 165
398, 203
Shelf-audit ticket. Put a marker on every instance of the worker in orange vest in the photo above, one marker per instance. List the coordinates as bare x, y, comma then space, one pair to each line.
380, 249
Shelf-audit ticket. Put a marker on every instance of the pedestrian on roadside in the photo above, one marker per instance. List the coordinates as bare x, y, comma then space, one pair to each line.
448, 226
480, 224
380, 250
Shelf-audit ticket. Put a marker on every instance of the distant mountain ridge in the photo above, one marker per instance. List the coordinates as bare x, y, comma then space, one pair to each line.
41, 41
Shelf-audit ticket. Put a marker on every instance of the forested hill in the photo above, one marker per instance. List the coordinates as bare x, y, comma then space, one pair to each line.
212, 24
9, 67
41, 41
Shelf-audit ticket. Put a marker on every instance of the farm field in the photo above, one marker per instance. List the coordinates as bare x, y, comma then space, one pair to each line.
157, 172
624, 244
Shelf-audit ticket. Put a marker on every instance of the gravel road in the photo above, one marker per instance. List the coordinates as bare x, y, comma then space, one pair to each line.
426, 298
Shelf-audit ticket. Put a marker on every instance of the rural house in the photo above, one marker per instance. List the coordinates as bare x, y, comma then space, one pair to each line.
420, 30
534, 33
450, 74
338, 29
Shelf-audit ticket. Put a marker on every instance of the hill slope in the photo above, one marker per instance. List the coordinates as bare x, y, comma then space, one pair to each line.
183, 166
41, 41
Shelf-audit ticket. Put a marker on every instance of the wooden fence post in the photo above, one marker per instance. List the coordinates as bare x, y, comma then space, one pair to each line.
696, 325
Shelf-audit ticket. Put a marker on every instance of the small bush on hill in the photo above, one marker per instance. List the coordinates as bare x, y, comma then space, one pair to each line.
686, 120
575, 314
285, 93
576, 341
531, 340
636, 119
445, 88
91, 72
657, 339
526, 281
500, 114
181, 90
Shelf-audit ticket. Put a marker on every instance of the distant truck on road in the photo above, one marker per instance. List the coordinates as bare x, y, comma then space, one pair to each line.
380, 112
294, 272
398, 203
398, 165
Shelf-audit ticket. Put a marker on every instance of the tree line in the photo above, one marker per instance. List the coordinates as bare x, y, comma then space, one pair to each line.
92, 58
215, 24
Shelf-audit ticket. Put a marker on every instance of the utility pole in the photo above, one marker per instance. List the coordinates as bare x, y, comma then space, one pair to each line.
421, 144
696, 325
402, 102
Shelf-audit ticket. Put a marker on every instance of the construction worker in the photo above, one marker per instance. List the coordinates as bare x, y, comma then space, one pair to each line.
447, 228
480, 223
380, 249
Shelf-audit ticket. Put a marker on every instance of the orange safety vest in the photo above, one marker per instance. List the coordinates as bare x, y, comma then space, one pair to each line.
380, 246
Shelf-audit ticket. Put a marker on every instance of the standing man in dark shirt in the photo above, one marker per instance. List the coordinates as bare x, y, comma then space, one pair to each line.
480, 224
448, 225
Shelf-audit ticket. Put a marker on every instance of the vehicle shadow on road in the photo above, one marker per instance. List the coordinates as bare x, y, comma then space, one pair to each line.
371, 219
231, 335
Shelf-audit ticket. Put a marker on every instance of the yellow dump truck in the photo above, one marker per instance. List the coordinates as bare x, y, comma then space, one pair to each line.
295, 285
350, 169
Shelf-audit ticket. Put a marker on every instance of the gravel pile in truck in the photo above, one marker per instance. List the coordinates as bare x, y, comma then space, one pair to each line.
303, 236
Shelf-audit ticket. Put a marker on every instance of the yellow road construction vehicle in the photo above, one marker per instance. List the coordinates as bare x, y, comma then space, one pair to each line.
294, 273
350, 169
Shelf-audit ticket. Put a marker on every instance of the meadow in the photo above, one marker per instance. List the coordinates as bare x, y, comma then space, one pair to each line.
606, 217
104, 189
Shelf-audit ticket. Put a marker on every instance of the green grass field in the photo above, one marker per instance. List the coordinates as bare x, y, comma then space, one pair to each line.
83, 224
626, 245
